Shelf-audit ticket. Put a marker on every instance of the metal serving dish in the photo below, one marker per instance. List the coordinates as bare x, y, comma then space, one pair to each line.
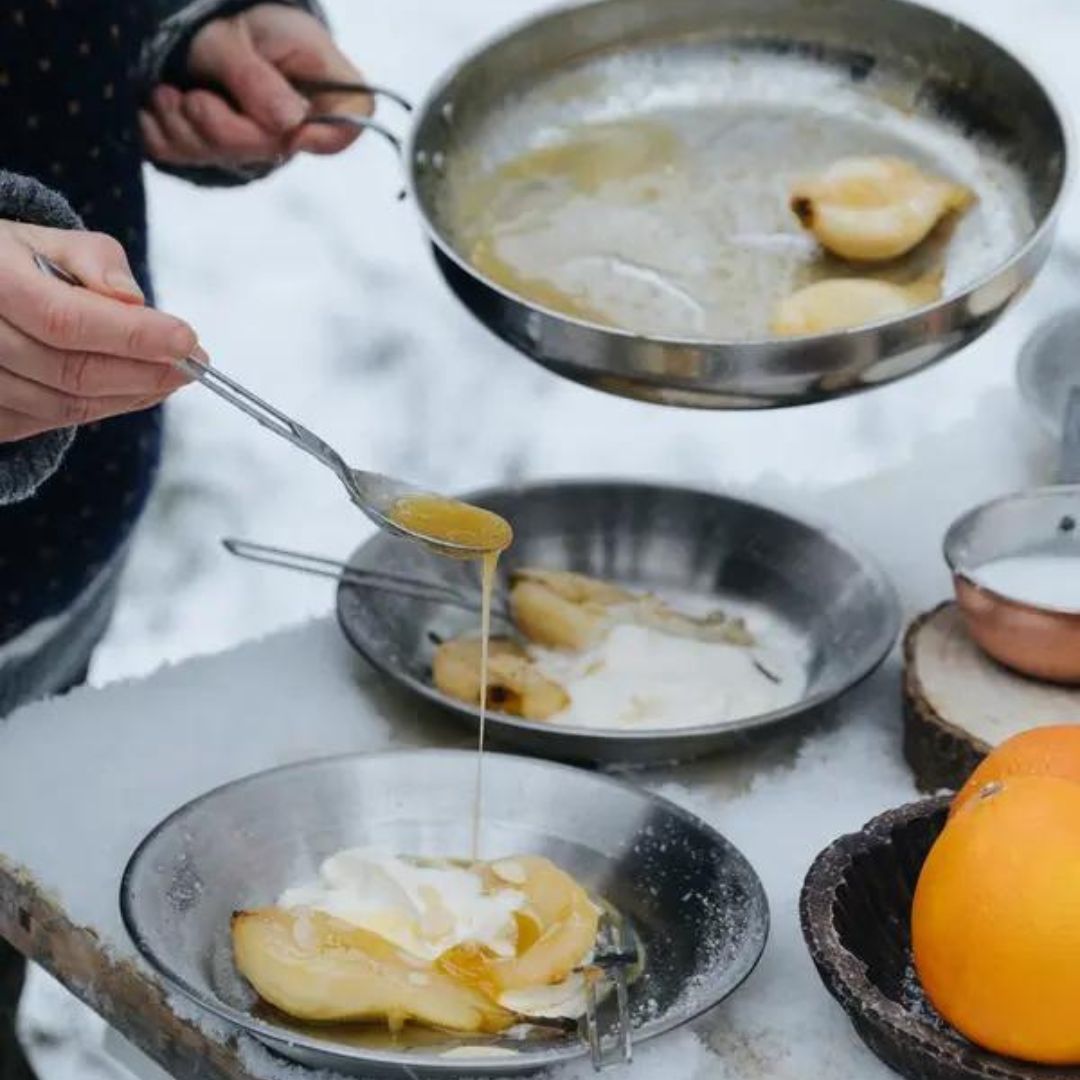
832, 601
1047, 371
1043, 642
767, 90
693, 900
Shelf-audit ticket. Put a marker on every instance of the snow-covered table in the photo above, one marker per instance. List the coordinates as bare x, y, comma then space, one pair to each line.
83, 778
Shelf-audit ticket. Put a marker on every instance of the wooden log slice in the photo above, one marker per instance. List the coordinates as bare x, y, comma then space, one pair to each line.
959, 704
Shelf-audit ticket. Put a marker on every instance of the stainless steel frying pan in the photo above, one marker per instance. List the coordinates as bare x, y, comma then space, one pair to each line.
756, 92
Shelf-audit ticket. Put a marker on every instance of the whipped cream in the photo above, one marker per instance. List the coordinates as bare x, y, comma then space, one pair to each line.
641, 677
422, 908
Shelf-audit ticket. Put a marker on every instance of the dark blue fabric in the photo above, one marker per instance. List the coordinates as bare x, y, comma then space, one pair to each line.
69, 93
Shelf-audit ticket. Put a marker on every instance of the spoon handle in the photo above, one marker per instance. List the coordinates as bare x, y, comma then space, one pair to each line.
415, 588
262, 411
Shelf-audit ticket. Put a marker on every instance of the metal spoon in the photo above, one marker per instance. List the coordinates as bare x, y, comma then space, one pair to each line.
439, 592
375, 494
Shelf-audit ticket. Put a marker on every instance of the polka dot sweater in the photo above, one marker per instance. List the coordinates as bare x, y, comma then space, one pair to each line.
72, 75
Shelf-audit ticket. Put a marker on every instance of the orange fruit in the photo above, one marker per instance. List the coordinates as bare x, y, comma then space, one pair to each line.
1042, 751
995, 923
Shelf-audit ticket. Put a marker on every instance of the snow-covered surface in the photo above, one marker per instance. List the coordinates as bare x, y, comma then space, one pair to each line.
158, 742
317, 288
301, 693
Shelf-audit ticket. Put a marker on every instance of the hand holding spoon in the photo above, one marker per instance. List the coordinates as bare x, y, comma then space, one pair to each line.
450, 527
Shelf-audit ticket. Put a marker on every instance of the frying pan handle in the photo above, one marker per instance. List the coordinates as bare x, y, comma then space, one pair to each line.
358, 121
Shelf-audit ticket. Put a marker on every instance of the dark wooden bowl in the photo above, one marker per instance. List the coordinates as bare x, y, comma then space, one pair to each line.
855, 910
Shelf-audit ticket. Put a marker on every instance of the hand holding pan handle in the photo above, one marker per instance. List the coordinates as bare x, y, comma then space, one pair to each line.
311, 87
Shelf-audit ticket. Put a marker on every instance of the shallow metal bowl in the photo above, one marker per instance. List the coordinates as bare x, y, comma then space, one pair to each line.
833, 602
693, 900
767, 90
1047, 370
1043, 642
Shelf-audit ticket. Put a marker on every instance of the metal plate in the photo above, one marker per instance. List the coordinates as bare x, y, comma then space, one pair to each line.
832, 600
761, 91
693, 899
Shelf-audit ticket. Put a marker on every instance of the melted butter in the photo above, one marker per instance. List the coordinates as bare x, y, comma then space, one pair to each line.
441, 521
536, 231
400, 1039
600, 157
678, 224
547, 294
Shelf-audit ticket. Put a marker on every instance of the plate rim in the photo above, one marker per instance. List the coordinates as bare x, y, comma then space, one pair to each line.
270, 1034
886, 642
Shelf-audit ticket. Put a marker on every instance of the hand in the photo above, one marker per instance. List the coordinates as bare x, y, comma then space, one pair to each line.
252, 56
68, 355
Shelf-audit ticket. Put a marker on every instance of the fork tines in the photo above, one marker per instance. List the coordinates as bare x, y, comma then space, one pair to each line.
610, 964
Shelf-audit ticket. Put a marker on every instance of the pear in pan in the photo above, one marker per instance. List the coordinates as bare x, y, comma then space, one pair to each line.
843, 303
315, 967
872, 209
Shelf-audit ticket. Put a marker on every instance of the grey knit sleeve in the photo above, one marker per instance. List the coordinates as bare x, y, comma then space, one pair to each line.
164, 59
28, 463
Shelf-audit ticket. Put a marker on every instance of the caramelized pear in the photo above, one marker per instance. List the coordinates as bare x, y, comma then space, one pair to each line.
561, 939
577, 588
842, 303
562, 610
315, 967
515, 686
568, 922
871, 209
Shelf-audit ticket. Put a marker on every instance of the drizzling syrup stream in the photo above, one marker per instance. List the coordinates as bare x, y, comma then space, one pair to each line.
447, 521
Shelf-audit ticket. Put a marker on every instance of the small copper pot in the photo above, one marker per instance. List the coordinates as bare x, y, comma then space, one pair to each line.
1043, 642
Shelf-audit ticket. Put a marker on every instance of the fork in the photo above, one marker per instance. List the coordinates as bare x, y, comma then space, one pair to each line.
617, 952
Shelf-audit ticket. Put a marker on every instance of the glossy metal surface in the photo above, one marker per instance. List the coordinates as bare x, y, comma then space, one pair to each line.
317, 565
1049, 369
834, 602
923, 85
693, 900
1042, 642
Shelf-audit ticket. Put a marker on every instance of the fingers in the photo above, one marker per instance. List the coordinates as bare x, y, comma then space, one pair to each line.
260, 90
86, 374
327, 61
72, 319
54, 409
99, 261
168, 133
228, 133
155, 146
322, 139
200, 128
14, 426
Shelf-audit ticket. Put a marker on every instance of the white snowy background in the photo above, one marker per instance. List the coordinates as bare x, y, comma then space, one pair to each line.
316, 288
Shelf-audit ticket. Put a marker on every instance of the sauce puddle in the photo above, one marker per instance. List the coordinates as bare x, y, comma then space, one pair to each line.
440, 522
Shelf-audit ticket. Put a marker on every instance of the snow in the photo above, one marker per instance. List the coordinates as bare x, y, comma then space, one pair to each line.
316, 287
301, 693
